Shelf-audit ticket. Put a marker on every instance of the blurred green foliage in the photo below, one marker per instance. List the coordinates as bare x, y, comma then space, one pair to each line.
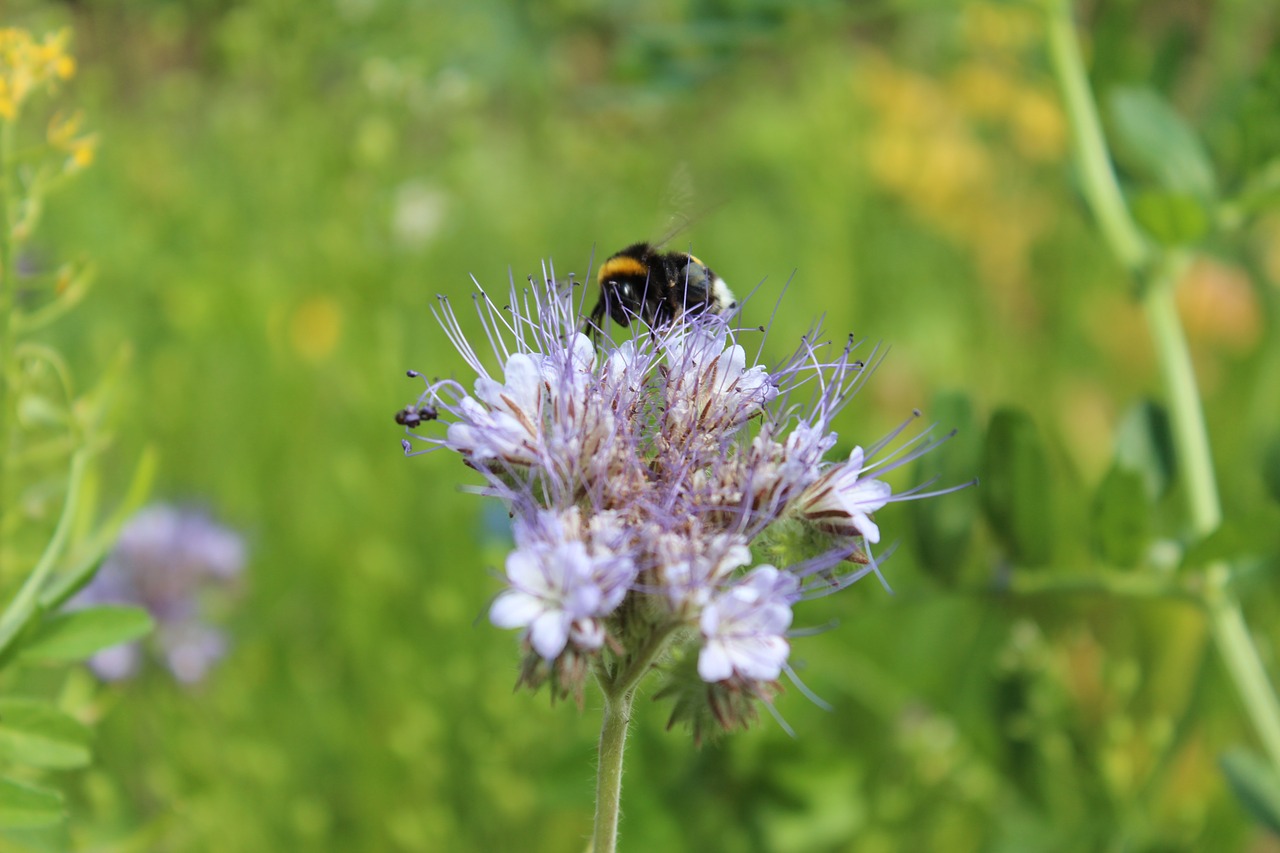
282, 188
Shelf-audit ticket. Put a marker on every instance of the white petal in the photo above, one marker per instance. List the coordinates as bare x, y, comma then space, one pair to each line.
761, 657
714, 663
865, 496
548, 633
524, 569
524, 381
583, 352
868, 528
515, 609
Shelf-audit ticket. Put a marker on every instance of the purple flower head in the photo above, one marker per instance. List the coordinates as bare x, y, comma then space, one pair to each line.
647, 477
165, 558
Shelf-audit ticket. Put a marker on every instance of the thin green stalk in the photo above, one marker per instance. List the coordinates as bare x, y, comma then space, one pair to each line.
1204, 507
619, 696
8, 270
1098, 179
1240, 655
1186, 412
613, 739
24, 604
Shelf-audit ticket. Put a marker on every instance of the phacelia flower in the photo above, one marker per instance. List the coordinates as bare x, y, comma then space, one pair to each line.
565, 577
165, 558
744, 627
843, 499
648, 481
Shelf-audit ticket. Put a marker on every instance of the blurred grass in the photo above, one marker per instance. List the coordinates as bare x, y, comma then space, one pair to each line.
284, 186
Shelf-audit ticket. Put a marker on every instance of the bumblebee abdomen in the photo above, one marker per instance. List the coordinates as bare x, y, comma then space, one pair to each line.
628, 264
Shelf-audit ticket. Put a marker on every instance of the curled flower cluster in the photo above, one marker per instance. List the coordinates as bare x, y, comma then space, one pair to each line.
165, 557
671, 500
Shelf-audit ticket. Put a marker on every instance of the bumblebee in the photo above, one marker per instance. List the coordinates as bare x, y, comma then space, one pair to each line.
657, 287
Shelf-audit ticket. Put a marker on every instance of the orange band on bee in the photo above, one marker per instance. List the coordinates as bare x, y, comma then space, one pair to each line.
620, 267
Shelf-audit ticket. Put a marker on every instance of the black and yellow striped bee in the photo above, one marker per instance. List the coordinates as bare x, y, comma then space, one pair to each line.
656, 287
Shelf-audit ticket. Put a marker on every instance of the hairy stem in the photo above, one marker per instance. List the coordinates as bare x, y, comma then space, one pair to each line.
619, 695
613, 739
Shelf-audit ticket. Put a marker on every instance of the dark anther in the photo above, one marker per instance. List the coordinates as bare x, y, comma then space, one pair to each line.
413, 417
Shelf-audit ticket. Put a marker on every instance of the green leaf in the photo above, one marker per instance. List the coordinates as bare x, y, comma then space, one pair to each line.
1255, 784
1239, 537
35, 733
90, 555
1144, 444
24, 806
944, 527
1172, 218
1157, 142
77, 635
1016, 487
1121, 517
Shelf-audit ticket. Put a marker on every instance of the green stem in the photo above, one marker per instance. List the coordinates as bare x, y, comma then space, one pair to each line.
619, 695
613, 739
1204, 507
1098, 179
1191, 438
24, 605
8, 271
1186, 414
1240, 655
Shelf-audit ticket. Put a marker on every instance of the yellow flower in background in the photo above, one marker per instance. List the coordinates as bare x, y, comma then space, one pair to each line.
1001, 28
62, 135
960, 148
315, 328
1039, 128
63, 128
82, 153
27, 64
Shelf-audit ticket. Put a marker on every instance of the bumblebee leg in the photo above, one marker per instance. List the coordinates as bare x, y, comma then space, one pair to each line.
594, 325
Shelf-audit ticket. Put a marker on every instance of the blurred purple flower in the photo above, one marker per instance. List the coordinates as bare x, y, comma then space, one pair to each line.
165, 558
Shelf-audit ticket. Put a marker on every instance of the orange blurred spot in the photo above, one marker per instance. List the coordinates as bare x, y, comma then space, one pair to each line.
1218, 305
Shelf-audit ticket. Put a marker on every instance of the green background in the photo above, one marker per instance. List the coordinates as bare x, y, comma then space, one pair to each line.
282, 189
